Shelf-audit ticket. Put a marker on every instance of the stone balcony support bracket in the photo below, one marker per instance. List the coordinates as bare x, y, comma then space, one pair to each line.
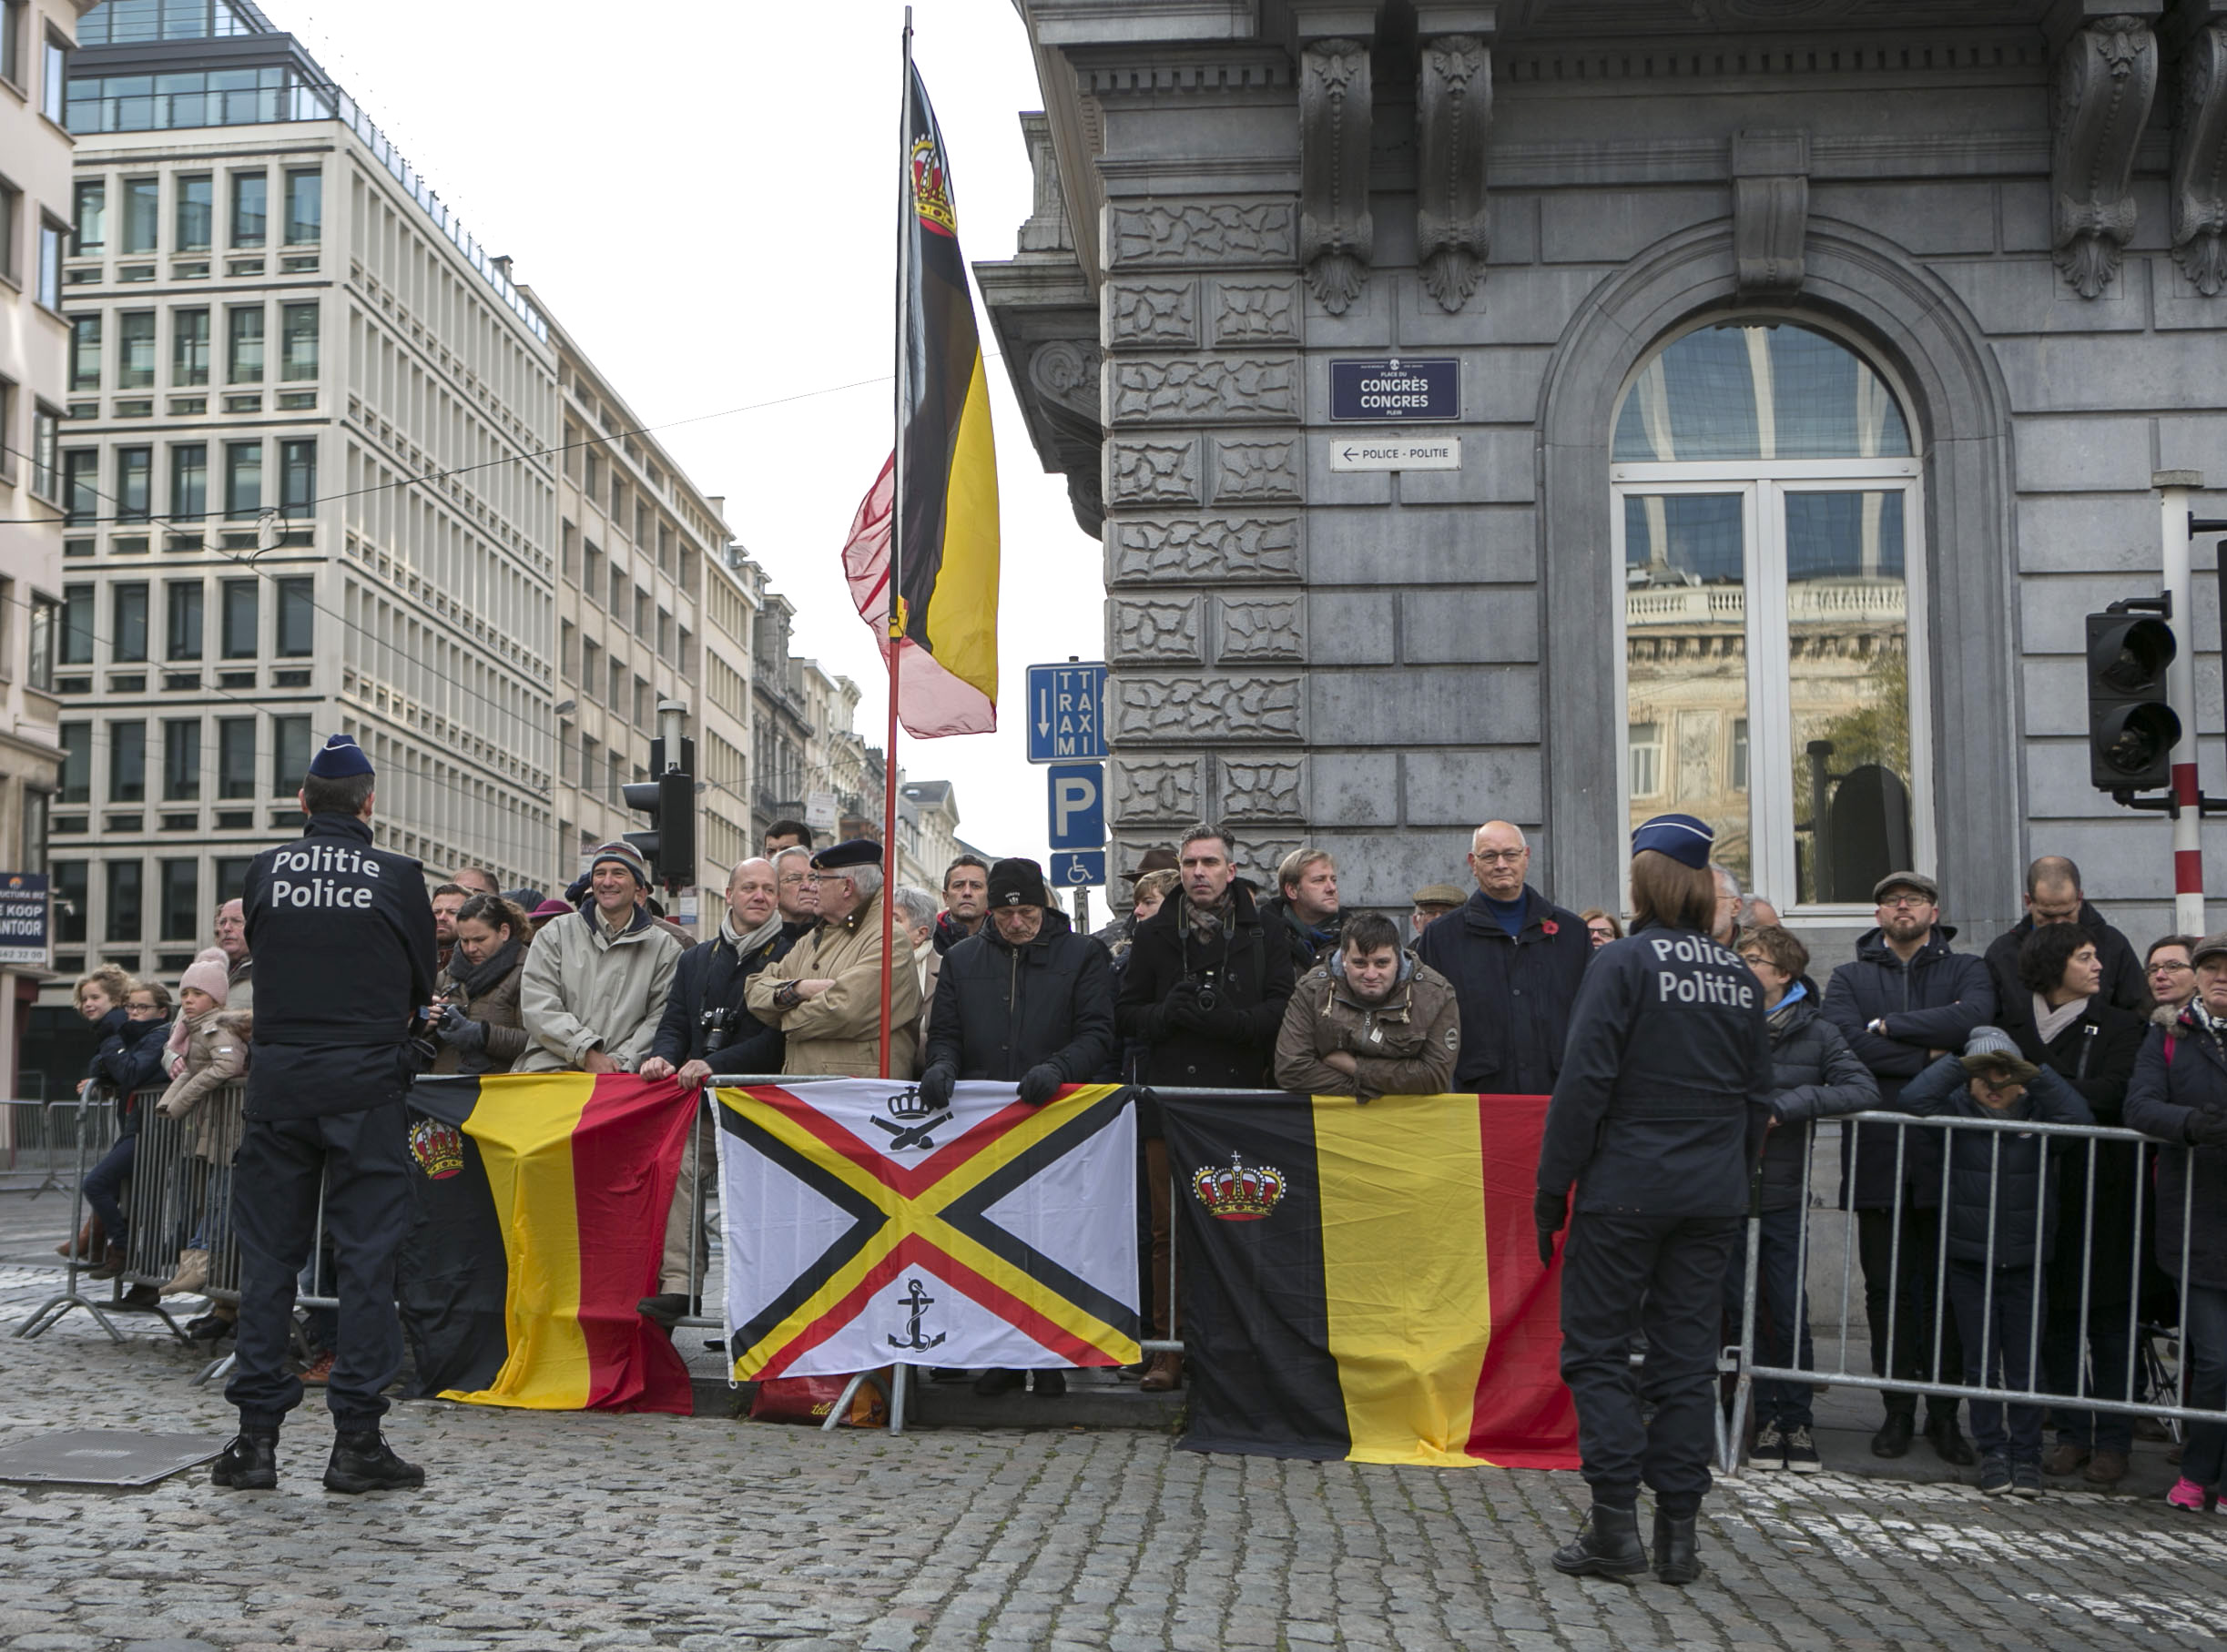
2104, 79
1337, 235
1453, 115
2199, 192
1770, 212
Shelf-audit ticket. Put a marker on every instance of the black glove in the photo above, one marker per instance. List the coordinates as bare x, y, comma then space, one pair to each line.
470, 1037
2207, 1128
1040, 1083
1549, 1213
936, 1084
447, 1023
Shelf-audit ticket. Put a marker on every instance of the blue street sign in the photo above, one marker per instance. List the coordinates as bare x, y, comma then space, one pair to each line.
1075, 796
1398, 390
1066, 713
1076, 868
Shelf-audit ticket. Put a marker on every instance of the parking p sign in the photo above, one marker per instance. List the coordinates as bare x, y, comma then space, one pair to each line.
1075, 800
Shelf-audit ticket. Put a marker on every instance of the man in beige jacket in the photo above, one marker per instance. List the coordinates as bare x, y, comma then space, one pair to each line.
1370, 1022
825, 995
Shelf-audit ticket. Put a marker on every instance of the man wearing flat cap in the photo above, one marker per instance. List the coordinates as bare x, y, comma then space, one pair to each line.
344, 934
1906, 1000
1432, 902
595, 982
825, 995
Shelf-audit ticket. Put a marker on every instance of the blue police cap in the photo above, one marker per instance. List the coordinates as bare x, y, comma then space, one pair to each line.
1681, 836
341, 758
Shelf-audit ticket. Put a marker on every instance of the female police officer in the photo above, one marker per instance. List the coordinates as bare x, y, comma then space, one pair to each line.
1664, 1079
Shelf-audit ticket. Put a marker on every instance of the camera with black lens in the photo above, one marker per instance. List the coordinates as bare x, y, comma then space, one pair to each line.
714, 1023
1207, 996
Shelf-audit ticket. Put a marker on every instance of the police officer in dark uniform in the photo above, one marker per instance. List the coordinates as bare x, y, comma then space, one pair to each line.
1656, 1117
342, 935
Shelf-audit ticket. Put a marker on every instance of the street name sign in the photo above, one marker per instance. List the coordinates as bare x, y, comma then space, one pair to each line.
1075, 800
1395, 454
1066, 713
1396, 390
1079, 868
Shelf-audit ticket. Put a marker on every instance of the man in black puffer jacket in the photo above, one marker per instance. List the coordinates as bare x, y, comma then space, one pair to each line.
1904, 1000
1814, 1075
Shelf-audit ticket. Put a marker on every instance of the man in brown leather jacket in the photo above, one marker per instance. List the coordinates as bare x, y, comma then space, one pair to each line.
1370, 1022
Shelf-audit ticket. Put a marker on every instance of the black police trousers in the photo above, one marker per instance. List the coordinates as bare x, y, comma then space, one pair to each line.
361, 1164
1663, 1275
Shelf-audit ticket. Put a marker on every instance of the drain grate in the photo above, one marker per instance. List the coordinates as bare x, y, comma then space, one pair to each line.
103, 1457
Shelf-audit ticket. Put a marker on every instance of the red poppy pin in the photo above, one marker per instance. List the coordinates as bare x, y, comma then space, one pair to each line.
1549, 927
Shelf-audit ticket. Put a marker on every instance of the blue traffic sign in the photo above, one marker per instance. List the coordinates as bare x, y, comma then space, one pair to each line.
1066, 713
1075, 798
1079, 868
1397, 390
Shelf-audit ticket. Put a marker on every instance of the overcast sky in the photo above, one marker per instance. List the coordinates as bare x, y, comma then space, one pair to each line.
702, 191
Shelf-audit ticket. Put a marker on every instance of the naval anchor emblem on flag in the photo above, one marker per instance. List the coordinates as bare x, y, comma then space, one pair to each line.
862, 1223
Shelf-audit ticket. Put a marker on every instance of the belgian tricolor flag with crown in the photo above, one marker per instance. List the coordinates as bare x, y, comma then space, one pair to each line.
1362, 1280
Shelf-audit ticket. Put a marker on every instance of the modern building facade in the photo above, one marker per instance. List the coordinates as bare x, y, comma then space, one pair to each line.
37, 38
308, 485
1778, 386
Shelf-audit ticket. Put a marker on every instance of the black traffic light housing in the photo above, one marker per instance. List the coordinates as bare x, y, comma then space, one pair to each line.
2132, 729
668, 800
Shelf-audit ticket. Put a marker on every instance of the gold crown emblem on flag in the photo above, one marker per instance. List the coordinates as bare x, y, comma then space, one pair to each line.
438, 1148
1238, 1192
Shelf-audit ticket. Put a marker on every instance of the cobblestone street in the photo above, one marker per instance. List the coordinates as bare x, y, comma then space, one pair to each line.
540, 1529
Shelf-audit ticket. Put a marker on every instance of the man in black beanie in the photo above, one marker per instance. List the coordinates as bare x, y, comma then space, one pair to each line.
1025, 1001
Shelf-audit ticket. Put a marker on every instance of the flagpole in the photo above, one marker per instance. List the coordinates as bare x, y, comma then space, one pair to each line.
889, 859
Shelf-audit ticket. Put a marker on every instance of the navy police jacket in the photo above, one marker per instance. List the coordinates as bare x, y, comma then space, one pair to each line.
342, 937
1664, 1083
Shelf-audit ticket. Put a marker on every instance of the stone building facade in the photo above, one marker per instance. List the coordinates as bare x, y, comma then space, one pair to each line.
1814, 362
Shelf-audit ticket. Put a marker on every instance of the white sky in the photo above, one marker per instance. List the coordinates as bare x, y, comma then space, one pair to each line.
703, 192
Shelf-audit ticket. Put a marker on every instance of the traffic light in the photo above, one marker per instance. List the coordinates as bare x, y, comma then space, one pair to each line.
2131, 731
668, 800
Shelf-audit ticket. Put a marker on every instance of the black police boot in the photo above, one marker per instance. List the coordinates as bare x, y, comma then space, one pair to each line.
1676, 1560
362, 1460
1893, 1440
1948, 1442
1606, 1546
250, 1464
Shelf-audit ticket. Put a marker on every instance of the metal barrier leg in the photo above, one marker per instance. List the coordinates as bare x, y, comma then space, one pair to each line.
842, 1404
214, 1368
49, 1313
898, 1378
1732, 1432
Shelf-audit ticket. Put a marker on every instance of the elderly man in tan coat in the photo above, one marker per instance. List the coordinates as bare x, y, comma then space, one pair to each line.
825, 995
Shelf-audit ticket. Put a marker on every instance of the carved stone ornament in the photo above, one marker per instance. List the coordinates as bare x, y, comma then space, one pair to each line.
1148, 631
1194, 710
1260, 630
1157, 788
1152, 472
1337, 235
1150, 312
2200, 162
1065, 370
1222, 233
1262, 791
1259, 858
1453, 119
1770, 212
1217, 389
1225, 548
1255, 470
2106, 76
1256, 312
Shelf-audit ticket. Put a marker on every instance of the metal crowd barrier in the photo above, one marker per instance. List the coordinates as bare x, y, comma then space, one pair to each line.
2077, 1218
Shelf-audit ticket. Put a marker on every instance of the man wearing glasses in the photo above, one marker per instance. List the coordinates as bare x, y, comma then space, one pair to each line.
796, 892
1515, 959
1905, 1000
2053, 896
2170, 977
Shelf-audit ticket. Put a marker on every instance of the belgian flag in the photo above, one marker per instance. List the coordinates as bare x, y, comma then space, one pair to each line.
540, 1228
1363, 1282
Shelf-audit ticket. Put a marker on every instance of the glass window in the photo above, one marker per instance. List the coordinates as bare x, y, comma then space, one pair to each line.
568, 555
235, 758
298, 479
250, 208
243, 480
305, 206
1646, 740
76, 761
189, 481
69, 901
188, 348
76, 624
1756, 391
128, 626
45, 451
568, 650
241, 602
84, 353
297, 618
126, 762
181, 760
196, 211
50, 238
232, 875
89, 221
297, 338
134, 475
290, 754
81, 485
126, 923
244, 348
54, 81
182, 893
183, 603
11, 13
134, 350
37, 810
142, 213
11, 210
46, 620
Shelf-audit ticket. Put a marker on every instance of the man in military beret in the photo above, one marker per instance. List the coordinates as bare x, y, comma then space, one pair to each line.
825, 995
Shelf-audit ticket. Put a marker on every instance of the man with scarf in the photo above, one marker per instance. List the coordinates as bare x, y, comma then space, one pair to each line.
707, 1029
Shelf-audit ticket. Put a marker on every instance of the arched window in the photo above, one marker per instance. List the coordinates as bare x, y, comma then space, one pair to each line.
1767, 509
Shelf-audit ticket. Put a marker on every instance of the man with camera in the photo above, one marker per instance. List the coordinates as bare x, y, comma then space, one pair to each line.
707, 1029
1204, 988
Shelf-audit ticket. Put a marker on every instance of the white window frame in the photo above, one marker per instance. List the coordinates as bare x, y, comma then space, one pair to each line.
1762, 486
